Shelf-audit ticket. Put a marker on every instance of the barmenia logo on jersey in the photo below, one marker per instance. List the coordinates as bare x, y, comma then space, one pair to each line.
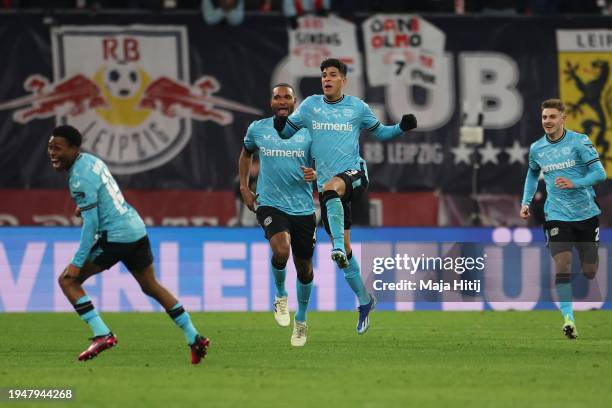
128, 89
559, 166
342, 127
299, 153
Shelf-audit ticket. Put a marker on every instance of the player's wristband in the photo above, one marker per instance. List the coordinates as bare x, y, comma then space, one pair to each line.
408, 122
279, 123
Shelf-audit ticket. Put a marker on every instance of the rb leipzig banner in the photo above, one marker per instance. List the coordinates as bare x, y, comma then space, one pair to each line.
165, 99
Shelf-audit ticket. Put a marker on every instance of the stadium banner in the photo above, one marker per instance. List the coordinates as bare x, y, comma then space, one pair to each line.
585, 58
221, 269
165, 99
403, 50
316, 39
195, 208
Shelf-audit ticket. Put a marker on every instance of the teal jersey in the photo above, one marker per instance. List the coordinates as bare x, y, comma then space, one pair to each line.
102, 206
335, 128
574, 157
280, 183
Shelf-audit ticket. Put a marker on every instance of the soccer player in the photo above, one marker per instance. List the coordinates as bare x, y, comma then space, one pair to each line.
335, 121
112, 231
285, 207
571, 168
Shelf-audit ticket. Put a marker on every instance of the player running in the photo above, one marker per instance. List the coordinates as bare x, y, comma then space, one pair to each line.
335, 121
112, 231
285, 207
571, 168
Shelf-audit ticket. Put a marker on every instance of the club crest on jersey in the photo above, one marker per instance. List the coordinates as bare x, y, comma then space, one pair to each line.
133, 104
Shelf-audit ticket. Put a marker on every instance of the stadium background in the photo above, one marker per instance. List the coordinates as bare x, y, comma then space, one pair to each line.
174, 149
178, 165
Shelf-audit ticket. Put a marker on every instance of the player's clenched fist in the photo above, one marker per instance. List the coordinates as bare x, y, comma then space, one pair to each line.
279, 122
408, 122
309, 173
564, 183
249, 198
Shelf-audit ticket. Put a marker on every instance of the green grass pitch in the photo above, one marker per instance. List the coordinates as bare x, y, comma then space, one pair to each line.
422, 359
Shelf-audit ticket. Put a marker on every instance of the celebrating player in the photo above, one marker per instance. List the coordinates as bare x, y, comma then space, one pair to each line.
121, 236
285, 208
571, 168
335, 121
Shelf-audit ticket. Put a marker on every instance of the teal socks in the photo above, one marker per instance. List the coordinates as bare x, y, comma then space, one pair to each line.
279, 272
352, 274
183, 320
303, 296
335, 218
88, 313
564, 293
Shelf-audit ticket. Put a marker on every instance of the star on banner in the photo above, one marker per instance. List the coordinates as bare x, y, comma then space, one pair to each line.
462, 153
516, 153
489, 153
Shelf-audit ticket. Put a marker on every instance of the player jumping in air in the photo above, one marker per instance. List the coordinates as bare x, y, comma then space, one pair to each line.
112, 232
334, 121
571, 168
285, 208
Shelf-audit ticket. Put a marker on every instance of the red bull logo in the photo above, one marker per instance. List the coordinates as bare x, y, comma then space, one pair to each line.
128, 90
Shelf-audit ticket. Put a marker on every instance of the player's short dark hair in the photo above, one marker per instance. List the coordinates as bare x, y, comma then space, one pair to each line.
553, 104
70, 133
285, 85
334, 62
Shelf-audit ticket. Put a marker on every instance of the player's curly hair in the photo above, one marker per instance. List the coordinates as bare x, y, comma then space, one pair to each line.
70, 133
334, 62
553, 104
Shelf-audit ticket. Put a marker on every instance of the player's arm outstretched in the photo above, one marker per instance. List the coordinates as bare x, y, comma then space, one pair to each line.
531, 185
87, 202
384, 132
244, 169
595, 172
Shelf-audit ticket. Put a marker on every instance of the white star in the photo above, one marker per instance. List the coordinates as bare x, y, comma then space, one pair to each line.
462, 153
516, 152
489, 153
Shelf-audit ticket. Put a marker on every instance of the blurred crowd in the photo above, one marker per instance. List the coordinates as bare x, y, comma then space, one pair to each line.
293, 8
